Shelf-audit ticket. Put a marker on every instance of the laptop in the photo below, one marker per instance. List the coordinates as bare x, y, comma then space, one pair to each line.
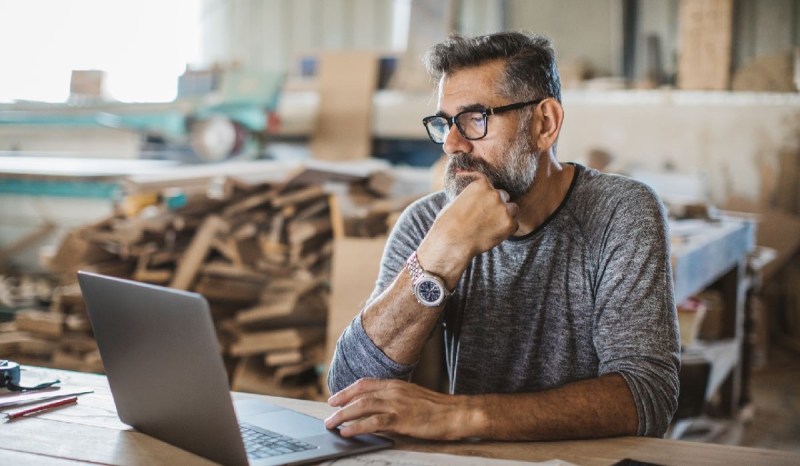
166, 374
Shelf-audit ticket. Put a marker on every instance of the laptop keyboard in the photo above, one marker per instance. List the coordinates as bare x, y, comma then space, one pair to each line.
263, 443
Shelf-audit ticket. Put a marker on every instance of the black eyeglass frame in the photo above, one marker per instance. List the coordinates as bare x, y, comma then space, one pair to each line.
485, 112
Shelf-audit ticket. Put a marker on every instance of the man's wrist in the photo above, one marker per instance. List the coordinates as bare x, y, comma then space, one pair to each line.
473, 420
448, 266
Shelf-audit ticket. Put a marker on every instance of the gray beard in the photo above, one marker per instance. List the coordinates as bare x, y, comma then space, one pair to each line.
515, 175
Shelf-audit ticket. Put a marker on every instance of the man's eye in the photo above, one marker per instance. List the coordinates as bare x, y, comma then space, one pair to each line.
474, 119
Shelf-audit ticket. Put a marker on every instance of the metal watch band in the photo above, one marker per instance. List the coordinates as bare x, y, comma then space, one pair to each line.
414, 269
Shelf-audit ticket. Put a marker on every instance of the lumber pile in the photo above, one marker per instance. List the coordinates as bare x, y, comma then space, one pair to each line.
260, 252
50, 327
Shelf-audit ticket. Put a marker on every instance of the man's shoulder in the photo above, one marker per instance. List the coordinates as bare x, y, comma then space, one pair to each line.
612, 182
612, 189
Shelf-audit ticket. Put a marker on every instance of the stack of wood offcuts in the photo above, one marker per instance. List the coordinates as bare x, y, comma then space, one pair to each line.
260, 253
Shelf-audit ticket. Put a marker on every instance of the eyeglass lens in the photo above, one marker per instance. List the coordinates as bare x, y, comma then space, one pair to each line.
472, 125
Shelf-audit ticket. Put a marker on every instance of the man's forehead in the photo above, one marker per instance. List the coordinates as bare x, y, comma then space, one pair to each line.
468, 87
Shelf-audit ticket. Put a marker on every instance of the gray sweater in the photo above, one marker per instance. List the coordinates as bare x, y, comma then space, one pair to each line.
587, 293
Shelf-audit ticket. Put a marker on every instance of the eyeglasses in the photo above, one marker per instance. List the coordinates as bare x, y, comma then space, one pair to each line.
472, 124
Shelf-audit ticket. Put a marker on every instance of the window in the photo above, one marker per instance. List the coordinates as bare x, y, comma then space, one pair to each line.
142, 45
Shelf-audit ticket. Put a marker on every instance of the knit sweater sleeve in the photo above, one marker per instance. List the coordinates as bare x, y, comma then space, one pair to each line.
356, 355
635, 323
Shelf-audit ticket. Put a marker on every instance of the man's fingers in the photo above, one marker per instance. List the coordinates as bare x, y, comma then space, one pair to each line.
369, 425
358, 387
513, 209
358, 409
504, 195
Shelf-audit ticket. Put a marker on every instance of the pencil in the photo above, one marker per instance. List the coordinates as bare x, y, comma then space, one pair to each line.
42, 407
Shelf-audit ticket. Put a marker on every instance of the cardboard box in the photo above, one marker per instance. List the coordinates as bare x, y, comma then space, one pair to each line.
87, 83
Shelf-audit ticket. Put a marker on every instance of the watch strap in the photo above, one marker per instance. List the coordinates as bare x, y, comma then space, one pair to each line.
415, 270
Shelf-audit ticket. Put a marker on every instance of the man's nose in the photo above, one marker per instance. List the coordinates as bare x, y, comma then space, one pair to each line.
455, 142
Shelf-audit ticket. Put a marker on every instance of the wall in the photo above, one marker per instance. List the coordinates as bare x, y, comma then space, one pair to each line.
733, 142
590, 31
271, 34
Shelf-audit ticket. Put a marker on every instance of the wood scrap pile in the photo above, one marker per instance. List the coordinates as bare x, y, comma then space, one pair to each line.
259, 252
38, 334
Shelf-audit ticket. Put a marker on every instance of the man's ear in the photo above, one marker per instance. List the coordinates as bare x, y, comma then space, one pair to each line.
548, 117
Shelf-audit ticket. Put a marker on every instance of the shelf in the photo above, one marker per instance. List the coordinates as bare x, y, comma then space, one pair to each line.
700, 259
723, 356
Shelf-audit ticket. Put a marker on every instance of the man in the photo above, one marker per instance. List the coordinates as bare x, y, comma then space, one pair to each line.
552, 281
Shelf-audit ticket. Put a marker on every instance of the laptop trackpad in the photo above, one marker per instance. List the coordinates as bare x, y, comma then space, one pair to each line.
289, 423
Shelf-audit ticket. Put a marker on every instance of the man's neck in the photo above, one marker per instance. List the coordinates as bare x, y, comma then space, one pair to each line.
550, 187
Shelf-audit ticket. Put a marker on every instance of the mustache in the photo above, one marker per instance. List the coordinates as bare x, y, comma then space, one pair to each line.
467, 162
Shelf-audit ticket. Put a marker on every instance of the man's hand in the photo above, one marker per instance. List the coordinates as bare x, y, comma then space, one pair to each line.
375, 405
477, 220
591, 408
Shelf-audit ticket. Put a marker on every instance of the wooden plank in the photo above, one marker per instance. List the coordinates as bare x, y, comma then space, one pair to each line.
249, 203
271, 340
37, 347
286, 372
227, 247
10, 342
73, 251
276, 306
144, 274
194, 255
50, 324
280, 358
705, 35
282, 313
251, 375
228, 288
78, 323
299, 196
222, 270
300, 232
158, 277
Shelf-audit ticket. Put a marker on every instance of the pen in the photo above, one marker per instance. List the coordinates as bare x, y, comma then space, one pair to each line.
42, 407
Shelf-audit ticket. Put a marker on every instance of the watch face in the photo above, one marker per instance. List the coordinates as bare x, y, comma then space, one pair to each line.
429, 292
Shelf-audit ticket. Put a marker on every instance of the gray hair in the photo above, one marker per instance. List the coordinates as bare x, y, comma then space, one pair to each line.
530, 73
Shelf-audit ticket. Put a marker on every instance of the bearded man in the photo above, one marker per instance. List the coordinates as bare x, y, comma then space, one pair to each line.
552, 281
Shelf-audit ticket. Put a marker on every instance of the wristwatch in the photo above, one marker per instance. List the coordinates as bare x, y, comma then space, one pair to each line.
429, 289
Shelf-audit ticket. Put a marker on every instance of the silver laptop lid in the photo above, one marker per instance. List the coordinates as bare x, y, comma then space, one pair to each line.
135, 325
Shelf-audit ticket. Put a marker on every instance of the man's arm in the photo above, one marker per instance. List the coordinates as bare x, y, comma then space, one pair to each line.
475, 222
598, 407
395, 324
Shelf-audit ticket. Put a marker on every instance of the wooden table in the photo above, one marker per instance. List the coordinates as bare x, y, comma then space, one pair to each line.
90, 432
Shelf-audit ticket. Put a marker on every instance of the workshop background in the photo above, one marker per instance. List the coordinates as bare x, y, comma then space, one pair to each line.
258, 152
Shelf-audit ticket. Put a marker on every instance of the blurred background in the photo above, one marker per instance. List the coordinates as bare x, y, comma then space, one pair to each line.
238, 147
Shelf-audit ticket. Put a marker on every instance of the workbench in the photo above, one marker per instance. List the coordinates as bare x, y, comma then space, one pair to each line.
714, 255
91, 432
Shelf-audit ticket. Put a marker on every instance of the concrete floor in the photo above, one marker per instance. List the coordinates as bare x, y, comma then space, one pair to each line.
775, 389
772, 421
